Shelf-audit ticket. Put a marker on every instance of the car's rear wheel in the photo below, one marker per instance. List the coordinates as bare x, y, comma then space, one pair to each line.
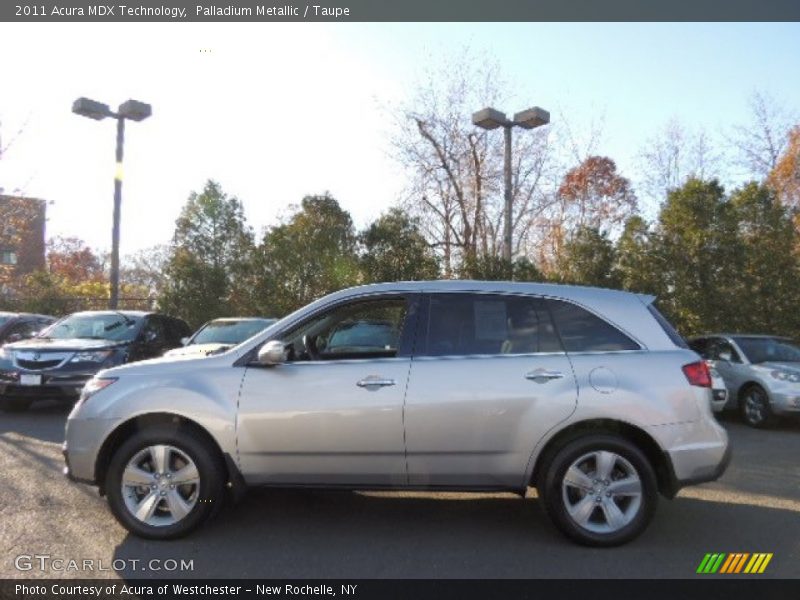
16, 404
600, 490
754, 407
163, 482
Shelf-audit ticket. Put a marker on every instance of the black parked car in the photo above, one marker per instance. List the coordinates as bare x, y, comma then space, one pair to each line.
20, 326
56, 363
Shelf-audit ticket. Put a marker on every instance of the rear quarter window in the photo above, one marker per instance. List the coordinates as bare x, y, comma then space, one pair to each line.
671, 332
582, 331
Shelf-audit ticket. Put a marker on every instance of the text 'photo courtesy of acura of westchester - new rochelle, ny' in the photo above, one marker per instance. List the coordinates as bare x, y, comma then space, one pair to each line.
586, 394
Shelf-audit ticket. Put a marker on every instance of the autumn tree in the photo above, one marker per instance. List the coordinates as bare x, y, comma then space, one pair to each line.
592, 195
16, 218
393, 249
784, 179
73, 260
209, 258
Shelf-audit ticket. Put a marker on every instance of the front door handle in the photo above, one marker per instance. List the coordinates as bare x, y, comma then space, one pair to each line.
543, 375
375, 382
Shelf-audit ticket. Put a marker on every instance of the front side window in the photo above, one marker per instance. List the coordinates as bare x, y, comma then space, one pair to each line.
720, 349
485, 324
582, 331
361, 330
104, 326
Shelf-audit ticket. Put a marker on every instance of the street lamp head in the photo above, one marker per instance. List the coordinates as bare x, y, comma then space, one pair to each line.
91, 109
135, 110
489, 118
531, 118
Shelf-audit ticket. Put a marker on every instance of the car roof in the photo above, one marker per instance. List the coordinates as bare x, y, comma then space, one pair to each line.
25, 314
240, 319
127, 313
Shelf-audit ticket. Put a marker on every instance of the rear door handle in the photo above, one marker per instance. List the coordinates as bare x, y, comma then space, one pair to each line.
374, 382
543, 375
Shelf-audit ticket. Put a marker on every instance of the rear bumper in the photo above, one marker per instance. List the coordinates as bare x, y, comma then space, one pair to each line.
695, 453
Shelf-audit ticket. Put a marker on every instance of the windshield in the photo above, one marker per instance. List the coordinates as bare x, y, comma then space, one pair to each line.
766, 349
107, 326
230, 332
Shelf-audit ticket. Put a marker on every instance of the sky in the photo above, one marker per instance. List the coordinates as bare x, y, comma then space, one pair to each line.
276, 111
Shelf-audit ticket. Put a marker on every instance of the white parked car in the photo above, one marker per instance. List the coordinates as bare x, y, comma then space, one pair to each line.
220, 335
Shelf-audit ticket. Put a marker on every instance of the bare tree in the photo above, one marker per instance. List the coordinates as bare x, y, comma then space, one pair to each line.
455, 169
673, 156
760, 143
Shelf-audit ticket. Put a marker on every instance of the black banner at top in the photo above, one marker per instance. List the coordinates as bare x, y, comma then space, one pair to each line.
399, 10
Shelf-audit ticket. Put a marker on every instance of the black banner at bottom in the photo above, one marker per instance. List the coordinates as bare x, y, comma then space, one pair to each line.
705, 588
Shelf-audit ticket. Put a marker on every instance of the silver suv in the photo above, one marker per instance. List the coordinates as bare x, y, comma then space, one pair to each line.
587, 394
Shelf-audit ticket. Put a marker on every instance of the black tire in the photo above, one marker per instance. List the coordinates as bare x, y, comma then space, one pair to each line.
552, 491
754, 407
208, 495
16, 404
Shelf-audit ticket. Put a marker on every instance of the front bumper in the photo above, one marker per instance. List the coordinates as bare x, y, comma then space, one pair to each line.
785, 405
54, 385
83, 440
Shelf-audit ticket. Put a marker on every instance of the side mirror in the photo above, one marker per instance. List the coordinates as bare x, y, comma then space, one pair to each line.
272, 353
184, 341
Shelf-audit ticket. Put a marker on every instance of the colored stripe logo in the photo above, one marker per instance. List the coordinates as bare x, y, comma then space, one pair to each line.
735, 562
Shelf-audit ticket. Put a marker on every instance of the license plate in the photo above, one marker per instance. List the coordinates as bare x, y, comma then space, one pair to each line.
27, 379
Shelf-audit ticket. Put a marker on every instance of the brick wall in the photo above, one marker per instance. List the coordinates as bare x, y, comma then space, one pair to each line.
22, 232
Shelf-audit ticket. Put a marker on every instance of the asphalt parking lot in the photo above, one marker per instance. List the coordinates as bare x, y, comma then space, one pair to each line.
755, 507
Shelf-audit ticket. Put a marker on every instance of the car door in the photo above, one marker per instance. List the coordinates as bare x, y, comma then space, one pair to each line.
488, 379
333, 413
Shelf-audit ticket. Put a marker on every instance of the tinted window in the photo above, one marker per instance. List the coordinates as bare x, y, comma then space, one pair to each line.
581, 331
721, 349
153, 331
370, 329
700, 346
766, 349
667, 327
467, 324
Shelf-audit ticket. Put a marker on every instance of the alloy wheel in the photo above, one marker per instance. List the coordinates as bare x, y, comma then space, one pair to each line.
160, 485
602, 492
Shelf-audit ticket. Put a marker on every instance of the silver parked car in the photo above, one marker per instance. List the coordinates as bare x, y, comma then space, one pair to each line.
761, 373
587, 394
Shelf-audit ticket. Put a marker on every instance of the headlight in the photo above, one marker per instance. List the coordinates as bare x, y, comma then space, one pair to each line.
5, 354
789, 376
94, 385
96, 357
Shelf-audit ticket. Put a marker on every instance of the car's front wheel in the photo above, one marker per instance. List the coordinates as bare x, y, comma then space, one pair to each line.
163, 482
754, 407
600, 490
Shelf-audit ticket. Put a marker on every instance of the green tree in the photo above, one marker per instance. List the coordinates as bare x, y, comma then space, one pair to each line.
211, 250
395, 250
700, 257
637, 265
312, 254
766, 296
494, 268
588, 258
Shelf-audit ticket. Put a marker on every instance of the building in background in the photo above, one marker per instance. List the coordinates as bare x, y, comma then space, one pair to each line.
22, 235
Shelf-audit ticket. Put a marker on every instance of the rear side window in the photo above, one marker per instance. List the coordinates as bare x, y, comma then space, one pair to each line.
475, 324
581, 331
668, 328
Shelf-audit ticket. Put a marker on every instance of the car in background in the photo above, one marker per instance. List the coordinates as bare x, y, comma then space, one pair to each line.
719, 393
20, 326
63, 357
220, 335
587, 394
761, 373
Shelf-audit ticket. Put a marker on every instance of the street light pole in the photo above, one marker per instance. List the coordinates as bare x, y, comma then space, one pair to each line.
135, 111
490, 118
113, 300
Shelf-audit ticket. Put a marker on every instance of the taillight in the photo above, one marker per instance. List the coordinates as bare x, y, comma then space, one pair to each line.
698, 374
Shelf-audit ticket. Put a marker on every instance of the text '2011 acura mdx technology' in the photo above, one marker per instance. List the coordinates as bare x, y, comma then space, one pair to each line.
587, 394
